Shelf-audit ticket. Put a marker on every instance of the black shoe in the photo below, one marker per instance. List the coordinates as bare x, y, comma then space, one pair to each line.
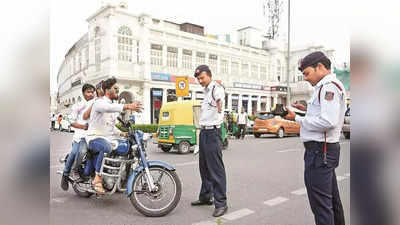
64, 182
199, 202
220, 211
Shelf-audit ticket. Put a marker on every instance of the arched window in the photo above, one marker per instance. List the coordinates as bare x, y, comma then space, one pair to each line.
97, 48
79, 98
278, 69
73, 100
125, 44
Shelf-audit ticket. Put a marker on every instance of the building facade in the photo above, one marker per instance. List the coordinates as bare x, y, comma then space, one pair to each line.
146, 55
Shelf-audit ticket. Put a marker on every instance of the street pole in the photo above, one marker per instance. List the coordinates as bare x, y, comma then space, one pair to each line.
288, 58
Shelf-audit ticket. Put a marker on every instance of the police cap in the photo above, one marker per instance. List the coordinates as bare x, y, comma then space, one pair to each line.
311, 59
200, 69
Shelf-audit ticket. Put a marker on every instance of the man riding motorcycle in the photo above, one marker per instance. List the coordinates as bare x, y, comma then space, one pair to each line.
102, 130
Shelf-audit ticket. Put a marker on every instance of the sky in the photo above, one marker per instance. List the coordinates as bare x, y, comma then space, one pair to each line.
319, 22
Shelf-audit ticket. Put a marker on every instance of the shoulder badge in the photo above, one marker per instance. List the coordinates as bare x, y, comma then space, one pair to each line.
329, 95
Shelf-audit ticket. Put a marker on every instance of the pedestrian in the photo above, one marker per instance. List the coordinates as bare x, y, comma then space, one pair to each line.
320, 131
59, 119
211, 165
242, 123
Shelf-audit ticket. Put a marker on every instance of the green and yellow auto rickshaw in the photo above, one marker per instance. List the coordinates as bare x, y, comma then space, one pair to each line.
178, 126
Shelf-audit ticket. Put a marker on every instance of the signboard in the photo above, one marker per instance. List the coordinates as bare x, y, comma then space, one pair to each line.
279, 88
247, 86
157, 93
160, 76
75, 83
182, 86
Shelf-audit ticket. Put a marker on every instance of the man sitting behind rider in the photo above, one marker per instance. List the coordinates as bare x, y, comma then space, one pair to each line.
80, 125
102, 128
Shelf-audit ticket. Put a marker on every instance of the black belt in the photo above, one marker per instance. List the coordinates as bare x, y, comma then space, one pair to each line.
309, 144
210, 127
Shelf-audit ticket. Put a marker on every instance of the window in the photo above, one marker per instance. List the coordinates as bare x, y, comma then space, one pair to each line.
172, 57
80, 61
235, 68
74, 65
87, 56
254, 71
278, 69
270, 74
224, 66
245, 69
124, 44
187, 59
263, 73
97, 48
212, 63
300, 78
200, 58
156, 55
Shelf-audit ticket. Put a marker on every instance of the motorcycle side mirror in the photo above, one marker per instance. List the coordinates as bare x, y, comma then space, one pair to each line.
121, 121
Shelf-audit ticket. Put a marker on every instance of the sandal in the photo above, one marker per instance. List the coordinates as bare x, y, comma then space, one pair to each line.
98, 187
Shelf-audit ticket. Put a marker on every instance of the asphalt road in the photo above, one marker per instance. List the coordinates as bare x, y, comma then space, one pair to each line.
264, 181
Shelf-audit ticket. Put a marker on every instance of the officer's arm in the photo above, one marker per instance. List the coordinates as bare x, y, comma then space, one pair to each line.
330, 110
219, 95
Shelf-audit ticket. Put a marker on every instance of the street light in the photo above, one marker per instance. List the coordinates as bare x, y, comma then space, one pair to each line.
288, 58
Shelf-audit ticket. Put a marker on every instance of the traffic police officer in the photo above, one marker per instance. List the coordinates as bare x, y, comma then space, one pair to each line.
320, 132
212, 169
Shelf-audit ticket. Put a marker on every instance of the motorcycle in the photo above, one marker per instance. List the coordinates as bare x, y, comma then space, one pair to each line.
153, 187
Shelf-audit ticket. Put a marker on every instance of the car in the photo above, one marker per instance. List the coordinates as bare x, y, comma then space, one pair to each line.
346, 124
268, 123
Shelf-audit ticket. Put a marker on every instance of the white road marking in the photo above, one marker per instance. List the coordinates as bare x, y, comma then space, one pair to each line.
237, 214
187, 163
59, 200
206, 223
340, 178
276, 201
290, 150
301, 191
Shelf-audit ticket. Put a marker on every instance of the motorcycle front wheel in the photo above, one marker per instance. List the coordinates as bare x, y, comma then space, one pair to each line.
164, 199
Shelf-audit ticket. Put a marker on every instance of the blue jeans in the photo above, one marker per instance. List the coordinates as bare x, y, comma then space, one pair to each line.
101, 146
74, 155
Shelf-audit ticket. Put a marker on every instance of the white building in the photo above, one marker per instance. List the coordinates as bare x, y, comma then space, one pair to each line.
146, 54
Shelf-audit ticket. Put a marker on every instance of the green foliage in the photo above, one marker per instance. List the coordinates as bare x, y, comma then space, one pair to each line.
252, 117
146, 128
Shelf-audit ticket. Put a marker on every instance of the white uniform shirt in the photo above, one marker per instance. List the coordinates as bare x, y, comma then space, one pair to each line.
77, 111
242, 118
209, 115
103, 118
326, 114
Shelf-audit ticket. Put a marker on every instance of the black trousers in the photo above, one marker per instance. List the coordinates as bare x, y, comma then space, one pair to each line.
242, 130
321, 183
212, 169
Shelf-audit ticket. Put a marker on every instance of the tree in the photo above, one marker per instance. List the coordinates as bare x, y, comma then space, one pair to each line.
272, 12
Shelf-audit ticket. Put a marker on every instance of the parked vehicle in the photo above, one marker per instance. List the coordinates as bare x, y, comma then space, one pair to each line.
268, 123
346, 125
176, 127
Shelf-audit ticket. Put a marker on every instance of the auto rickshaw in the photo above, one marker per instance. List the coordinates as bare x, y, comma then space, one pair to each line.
177, 126
231, 120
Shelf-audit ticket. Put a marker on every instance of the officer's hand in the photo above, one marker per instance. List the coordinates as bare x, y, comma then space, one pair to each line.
85, 127
124, 134
135, 106
290, 115
299, 106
